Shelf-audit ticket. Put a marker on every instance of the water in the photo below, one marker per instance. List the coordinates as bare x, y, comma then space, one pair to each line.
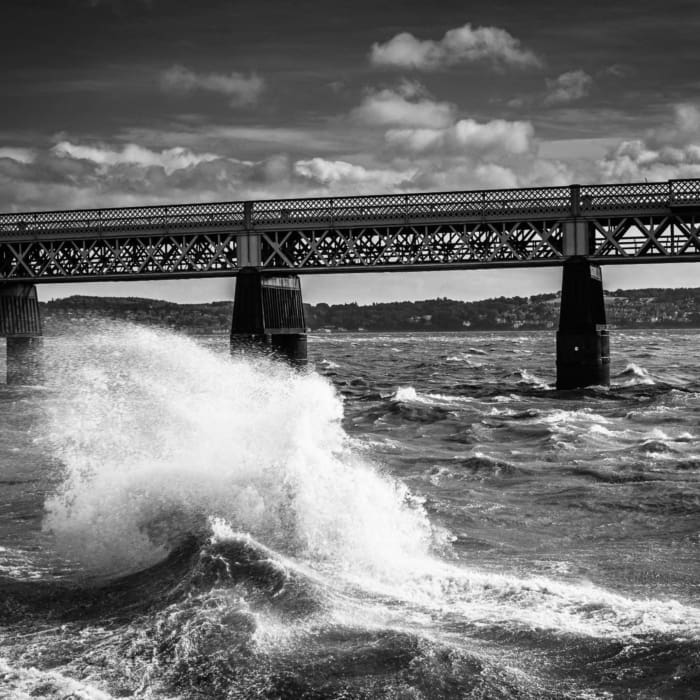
420, 517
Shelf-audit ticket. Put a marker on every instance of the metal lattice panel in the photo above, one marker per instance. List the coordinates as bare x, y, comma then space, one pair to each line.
426, 246
671, 236
127, 257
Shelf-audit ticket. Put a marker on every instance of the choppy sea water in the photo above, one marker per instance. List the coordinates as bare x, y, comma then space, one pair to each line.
420, 516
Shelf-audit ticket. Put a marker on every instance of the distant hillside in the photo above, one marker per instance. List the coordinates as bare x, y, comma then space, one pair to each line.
664, 308
215, 317
625, 308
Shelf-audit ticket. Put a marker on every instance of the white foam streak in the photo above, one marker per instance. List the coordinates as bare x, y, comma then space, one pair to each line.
484, 599
408, 394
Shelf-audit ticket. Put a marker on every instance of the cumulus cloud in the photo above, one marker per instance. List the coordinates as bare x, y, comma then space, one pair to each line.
669, 151
71, 175
21, 155
75, 175
568, 87
472, 154
338, 172
170, 159
240, 90
683, 129
444, 151
427, 146
467, 136
464, 44
407, 105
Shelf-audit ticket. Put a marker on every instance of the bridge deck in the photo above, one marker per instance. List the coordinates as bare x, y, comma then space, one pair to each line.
642, 222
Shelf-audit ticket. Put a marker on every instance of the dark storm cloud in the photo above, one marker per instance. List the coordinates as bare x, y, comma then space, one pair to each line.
107, 63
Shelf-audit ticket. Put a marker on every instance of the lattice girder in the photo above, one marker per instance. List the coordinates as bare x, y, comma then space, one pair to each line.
665, 237
639, 222
135, 257
412, 246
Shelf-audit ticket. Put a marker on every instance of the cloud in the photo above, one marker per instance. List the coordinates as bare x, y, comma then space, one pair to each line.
170, 159
428, 146
408, 105
617, 70
467, 136
326, 173
669, 151
474, 172
74, 175
471, 154
684, 128
568, 87
397, 139
240, 90
21, 155
461, 45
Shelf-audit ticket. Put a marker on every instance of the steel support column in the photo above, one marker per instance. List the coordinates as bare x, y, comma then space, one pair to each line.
583, 347
20, 323
268, 315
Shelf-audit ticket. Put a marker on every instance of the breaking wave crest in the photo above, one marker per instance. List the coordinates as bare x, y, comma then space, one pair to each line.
157, 435
635, 374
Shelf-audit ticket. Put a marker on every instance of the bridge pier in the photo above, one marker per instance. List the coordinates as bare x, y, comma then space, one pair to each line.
268, 315
583, 346
20, 324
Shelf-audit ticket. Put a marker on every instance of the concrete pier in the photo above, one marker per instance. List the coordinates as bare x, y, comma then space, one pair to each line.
583, 346
268, 315
20, 324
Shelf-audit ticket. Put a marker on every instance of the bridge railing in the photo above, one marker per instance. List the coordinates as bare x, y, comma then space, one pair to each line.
124, 219
424, 205
651, 195
331, 211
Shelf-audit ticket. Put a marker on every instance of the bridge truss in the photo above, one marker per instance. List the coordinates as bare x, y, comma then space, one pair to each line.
631, 223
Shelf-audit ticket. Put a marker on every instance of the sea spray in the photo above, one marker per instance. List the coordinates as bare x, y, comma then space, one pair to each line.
160, 438
156, 435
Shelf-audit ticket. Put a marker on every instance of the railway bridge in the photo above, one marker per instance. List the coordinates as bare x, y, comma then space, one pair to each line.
267, 245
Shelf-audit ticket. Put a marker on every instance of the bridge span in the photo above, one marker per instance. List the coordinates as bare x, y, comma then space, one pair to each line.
267, 244
642, 223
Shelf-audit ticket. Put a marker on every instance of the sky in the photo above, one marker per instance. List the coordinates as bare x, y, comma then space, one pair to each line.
125, 102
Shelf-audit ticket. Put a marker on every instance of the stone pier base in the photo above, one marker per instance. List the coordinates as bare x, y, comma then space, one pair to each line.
268, 316
20, 324
583, 345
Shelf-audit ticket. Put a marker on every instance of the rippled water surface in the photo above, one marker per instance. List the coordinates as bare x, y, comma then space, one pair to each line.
420, 516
